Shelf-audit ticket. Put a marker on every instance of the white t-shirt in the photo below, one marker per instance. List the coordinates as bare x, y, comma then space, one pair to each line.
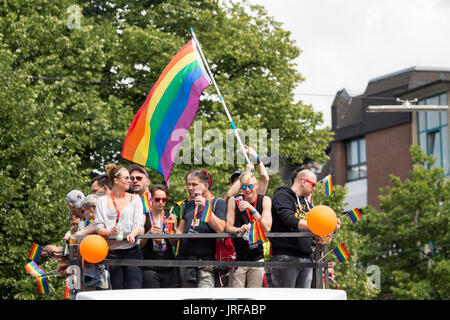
131, 216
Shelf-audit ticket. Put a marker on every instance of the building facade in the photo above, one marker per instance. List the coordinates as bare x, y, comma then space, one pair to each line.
370, 146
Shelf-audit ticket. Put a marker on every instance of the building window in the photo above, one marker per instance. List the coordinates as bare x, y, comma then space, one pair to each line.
432, 127
356, 159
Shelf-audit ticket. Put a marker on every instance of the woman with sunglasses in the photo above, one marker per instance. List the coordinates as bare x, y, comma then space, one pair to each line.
240, 212
120, 207
157, 221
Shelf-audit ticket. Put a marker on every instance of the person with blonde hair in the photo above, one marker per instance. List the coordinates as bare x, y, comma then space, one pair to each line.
120, 207
240, 213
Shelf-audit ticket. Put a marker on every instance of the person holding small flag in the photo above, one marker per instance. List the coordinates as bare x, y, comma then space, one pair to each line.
204, 214
242, 211
158, 221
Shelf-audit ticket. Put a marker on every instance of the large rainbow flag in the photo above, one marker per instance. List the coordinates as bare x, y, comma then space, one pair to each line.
157, 130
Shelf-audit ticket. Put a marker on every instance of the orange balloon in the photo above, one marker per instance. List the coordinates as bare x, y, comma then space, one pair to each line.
321, 220
94, 248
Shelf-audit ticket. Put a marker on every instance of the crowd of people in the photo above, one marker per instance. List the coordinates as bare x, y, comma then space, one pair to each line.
123, 202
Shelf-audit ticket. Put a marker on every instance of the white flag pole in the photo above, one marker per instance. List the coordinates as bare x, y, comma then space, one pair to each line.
325, 255
233, 126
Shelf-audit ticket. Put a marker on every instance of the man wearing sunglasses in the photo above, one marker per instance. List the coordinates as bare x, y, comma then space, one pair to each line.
290, 208
140, 182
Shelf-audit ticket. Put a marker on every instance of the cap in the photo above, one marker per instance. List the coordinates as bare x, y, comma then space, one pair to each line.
137, 167
75, 197
235, 175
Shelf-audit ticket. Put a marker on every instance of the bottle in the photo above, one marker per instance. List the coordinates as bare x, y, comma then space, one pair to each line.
81, 225
120, 234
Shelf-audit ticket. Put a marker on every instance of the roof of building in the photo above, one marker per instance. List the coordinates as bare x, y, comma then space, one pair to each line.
349, 116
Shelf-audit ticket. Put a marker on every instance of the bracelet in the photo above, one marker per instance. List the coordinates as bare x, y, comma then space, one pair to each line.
253, 212
258, 161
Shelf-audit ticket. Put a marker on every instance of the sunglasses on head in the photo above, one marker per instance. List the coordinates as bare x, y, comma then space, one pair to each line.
160, 199
138, 178
250, 186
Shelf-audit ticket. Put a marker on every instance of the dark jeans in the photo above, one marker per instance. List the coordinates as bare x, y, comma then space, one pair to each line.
291, 277
167, 278
126, 277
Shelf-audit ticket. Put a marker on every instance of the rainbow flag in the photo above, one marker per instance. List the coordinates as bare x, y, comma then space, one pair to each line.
66, 293
33, 269
256, 233
42, 285
328, 181
355, 215
207, 211
155, 134
146, 202
341, 253
35, 252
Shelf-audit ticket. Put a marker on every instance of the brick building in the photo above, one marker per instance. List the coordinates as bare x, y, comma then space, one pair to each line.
369, 146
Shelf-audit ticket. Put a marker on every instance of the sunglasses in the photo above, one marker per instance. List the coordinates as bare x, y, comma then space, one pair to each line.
312, 183
160, 199
250, 186
137, 178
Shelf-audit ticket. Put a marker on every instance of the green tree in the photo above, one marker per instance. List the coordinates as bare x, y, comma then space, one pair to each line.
415, 214
350, 274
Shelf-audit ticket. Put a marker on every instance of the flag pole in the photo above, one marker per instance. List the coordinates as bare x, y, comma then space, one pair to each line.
325, 255
233, 126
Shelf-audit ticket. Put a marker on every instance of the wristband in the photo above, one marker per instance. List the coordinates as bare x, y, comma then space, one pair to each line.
253, 212
257, 159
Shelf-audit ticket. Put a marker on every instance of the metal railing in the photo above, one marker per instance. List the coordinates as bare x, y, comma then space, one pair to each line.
320, 269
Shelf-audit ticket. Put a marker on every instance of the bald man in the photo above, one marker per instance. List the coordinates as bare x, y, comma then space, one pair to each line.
289, 211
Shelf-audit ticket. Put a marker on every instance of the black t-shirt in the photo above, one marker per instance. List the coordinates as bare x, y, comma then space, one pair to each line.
243, 250
200, 248
147, 251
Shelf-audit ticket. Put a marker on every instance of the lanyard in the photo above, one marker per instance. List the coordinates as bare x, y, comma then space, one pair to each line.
161, 217
115, 206
250, 217
299, 205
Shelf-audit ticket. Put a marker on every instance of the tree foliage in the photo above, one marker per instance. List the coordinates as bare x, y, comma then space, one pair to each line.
68, 95
409, 239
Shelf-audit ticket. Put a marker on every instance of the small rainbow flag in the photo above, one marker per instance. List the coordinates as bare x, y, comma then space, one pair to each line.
35, 252
355, 215
158, 128
42, 285
66, 293
33, 269
341, 253
256, 233
328, 181
207, 211
146, 202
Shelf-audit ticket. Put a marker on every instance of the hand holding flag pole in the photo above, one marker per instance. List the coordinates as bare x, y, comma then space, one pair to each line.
233, 126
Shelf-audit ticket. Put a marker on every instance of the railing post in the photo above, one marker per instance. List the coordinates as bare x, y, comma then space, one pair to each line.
318, 274
325, 249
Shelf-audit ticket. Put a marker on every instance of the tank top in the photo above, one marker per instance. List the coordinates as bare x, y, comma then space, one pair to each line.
243, 251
